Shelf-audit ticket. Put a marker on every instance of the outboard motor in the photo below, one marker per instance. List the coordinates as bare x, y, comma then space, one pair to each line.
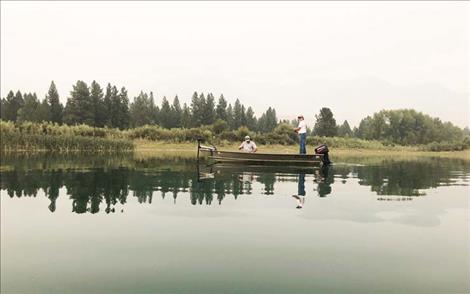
323, 149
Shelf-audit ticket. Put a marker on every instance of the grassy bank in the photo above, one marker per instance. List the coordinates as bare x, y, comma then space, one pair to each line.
39, 137
146, 148
34, 137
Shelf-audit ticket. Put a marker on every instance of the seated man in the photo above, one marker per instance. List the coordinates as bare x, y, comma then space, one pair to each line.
248, 145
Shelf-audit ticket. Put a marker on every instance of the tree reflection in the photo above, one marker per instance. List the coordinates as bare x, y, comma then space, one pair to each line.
91, 189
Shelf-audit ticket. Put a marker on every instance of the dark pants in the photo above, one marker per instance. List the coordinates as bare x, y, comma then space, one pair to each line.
303, 141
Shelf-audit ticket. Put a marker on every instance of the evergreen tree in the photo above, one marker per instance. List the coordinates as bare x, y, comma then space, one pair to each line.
79, 108
221, 110
6, 102
96, 95
12, 105
268, 121
155, 111
186, 116
209, 110
197, 109
124, 117
230, 119
325, 124
56, 108
165, 114
108, 106
176, 113
237, 114
29, 110
243, 120
251, 119
44, 110
142, 110
345, 130
114, 114
2, 108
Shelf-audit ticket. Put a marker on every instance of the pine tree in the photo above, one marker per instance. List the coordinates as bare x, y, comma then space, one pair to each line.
268, 120
325, 124
96, 95
29, 110
209, 110
44, 110
155, 111
56, 108
230, 119
165, 114
237, 115
114, 113
108, 106
79, 108
221, 110
186, 116
197, 109
124, 117
12, 105
2, 108
176, 113
250, 119
142, 110
345, 130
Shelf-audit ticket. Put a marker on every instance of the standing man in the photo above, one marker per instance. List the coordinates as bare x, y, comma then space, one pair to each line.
301, 129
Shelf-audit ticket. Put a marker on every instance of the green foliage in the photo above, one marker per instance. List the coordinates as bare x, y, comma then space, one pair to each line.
220, 126
448, 146
221, 122
407, 127
268, 121
11, 105
345, 130
96, 96
30, 136
221, 110
56, 108
29, 110
186, 117
176, 113
142, 110
157, 133
79, 108
164, 117
325, 124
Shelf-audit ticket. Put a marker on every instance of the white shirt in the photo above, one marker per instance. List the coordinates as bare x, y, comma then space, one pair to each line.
248, 147
302, 126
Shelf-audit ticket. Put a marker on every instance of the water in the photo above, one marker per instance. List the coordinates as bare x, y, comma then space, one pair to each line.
163, 225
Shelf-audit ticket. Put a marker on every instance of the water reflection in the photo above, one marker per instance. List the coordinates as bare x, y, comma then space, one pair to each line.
95, 185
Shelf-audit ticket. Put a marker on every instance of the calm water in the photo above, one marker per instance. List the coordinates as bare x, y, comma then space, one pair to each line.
167, 225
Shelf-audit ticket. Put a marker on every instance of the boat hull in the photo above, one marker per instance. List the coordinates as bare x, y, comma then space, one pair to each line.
265, 158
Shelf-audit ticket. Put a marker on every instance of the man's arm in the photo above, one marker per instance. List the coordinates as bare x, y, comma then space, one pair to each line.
254, 147
241, 146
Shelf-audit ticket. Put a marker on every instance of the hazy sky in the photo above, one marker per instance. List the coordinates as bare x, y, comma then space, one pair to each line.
356, 58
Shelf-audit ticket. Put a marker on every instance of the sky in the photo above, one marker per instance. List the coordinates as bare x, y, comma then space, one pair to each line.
355, 57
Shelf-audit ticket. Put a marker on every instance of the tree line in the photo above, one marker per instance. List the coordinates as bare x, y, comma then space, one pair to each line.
94, 106
110, 107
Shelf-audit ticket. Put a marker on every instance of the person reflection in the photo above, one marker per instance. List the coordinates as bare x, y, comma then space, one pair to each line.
324, 179
300, 197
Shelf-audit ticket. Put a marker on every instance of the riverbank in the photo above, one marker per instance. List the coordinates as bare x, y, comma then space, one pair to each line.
152, 148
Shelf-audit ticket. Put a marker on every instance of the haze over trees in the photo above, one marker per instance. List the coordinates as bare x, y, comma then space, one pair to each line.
111, 107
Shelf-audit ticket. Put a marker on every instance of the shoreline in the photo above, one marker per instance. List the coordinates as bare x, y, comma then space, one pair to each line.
144, 147
147, 148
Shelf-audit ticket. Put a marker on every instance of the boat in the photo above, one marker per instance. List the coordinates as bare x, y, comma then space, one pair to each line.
257, 158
